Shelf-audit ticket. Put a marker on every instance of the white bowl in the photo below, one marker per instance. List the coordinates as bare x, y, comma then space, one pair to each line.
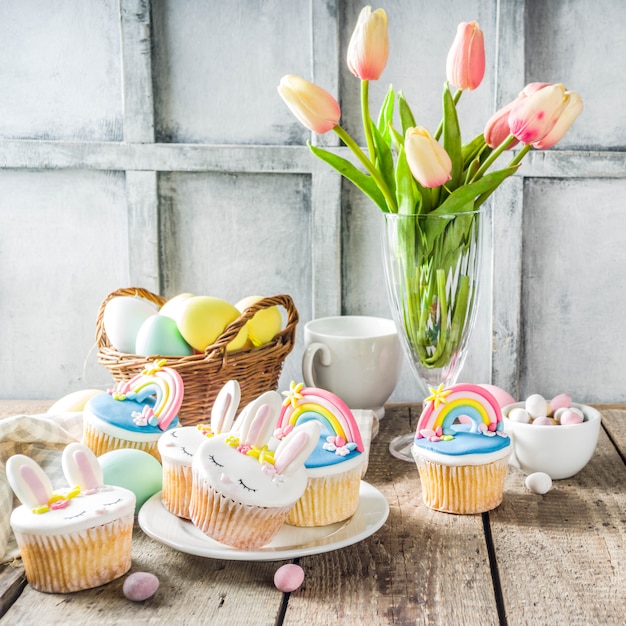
559, 451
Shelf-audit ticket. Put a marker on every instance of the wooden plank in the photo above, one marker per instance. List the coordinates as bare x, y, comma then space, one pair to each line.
422, 567
562, 556
12, 581
103, 155
614, 421
193, 590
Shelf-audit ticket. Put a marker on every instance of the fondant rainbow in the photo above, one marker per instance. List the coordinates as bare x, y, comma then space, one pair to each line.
465, 402
164, 383
304, 403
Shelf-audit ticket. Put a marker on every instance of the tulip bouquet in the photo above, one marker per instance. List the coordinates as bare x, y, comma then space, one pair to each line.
409, 171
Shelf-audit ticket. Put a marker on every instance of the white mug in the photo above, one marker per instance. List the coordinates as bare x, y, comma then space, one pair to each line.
358, 358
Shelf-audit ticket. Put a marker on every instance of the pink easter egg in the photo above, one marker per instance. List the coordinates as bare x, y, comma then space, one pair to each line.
562, 401
288, 577
502, 397
570, 417
542, 421
140, 586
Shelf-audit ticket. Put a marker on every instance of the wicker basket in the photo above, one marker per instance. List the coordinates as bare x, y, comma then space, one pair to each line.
255, 369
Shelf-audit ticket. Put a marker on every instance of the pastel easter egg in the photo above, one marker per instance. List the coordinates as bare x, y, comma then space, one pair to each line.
502, 397
203, 319
134, 470
140, 586
570, 417
518, 414
74, 401
542, 420
536, 405
539, 482
563, 400
288, 577
122, 318
173, 307
159, 335
264, 325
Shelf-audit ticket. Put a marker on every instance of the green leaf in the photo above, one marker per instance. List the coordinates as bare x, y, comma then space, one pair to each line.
475, 147
397, 140
362, 181
406, 115
384, 162
407, 194
452, 138
385, 116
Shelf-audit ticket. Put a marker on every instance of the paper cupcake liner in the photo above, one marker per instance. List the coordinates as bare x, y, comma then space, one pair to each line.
462, 488
241, 526
100, 443
80, 560
327, 500
176, 490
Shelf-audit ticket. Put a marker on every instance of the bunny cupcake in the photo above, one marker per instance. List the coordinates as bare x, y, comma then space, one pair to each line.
242, 491
75, 538
178, 446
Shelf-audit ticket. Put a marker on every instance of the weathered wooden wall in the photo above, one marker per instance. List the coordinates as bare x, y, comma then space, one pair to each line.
144, 143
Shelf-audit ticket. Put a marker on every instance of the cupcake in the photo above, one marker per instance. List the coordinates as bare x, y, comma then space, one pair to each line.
178, 446
242, 491
335, 466
75, 538
461, 450
135, 413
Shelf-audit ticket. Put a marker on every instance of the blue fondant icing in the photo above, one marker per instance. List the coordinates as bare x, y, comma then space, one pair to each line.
464, 442
120, 413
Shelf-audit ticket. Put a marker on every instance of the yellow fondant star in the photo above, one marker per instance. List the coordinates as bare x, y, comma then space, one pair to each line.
155, 367
293, 395
439, 395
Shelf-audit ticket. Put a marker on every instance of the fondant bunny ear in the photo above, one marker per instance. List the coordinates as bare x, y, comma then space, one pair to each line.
261, 426
225, 407
29, 482
242, 423
296, 447
81, 467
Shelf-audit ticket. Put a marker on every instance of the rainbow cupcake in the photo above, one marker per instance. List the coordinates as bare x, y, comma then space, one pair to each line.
178, 446
135, 413
335, 466
461, 450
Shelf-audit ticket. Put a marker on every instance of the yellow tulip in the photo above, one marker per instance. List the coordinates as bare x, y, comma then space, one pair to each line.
428, 161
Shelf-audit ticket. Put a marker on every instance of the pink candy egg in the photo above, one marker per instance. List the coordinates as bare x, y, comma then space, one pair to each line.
140, 586
563, 400
543, 421
502, 397
288, 577
570, 417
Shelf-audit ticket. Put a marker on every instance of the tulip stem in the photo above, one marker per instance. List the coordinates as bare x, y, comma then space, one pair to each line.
367, 123
369, 166
494, 155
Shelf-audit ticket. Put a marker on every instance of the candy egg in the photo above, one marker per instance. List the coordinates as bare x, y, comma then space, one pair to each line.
536, 405
563, 400
570, 417
544, 421
539, 482
74, 401
159, 335
173, 306
134, 470
122, 318
518, 414
288, 577
202, 319
264, 325
502, 397
140, 586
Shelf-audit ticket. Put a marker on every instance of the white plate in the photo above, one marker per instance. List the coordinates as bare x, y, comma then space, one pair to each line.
290, 541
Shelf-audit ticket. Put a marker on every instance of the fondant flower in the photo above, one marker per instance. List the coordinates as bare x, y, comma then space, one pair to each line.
281, 433
293, 395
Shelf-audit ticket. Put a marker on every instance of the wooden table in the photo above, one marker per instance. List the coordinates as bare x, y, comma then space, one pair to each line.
553, 559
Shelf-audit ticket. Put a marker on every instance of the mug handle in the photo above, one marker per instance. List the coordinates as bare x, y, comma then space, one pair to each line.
307, 361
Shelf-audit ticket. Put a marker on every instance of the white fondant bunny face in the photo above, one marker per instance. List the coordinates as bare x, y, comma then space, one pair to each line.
179, 445
240, 464
87, 502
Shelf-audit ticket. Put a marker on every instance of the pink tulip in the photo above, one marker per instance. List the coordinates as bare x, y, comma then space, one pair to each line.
428, 161
369, 47
314, 107
465, 65
534, 117
571, 112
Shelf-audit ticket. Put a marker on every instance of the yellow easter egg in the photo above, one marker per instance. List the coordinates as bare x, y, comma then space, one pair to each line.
203, 319
74, 401
264, 325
